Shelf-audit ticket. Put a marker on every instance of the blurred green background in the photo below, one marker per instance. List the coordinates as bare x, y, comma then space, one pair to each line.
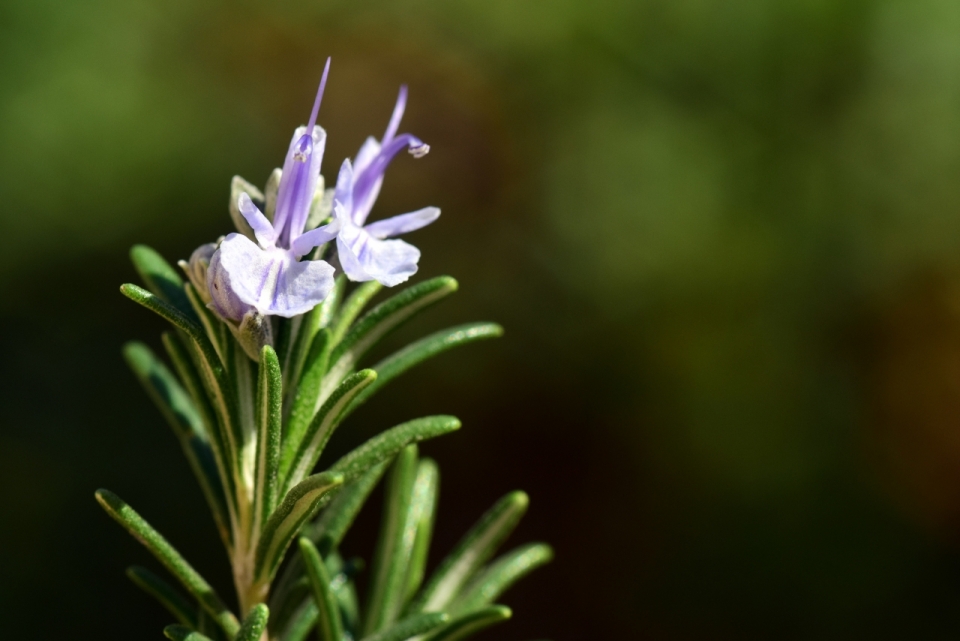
723, 238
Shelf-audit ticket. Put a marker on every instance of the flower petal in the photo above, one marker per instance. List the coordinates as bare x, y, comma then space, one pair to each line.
298, 183
403, 223
262, 227
272, 280
364, 257
314, 238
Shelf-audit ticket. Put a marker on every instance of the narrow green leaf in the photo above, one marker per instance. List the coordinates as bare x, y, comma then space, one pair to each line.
160, 277
305, 400
326, 531
501, 574
191, 380
166, 594
329, 529
301, 623
297, 463
410, 627
300, 345
269, 412
205, 455
352, 307
379, 321
424, 349
300, 504
254, 625
329, 625
394, 545
167, 311
467, 625
182, 633
422, 512
170, 558
388, 443
215, 381
331, 304
476, 547
164, 390
217, 331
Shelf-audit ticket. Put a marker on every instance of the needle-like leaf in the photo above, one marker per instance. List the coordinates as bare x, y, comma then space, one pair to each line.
410, 627
476, 547
501, 574
424, 349
329, 625
165, 391
392, 557
254, 625
166, 594
160, 277
170, 558
305, 401
352, 307
422, 511
332, 525
269, 412
298, 459
467, 625
299, 504
379, 321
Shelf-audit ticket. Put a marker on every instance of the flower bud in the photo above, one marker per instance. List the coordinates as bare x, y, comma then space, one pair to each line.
223, 300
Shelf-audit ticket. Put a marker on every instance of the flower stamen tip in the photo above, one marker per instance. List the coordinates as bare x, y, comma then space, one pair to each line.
420, 150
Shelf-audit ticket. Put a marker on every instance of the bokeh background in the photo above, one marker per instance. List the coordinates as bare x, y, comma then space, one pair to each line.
724, 238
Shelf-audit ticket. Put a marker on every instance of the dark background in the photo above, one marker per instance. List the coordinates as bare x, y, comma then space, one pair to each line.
723, 238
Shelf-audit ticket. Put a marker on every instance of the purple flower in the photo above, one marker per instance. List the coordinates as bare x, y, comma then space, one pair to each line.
268, 276
364, 252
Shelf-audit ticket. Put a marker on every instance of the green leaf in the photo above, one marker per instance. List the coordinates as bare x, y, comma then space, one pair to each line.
329, 625
394, 545
382, 319
410, 627
302, 623
164, 390
327, 532
331, 304
216, 383
160, 277
415, 353
166, 311
217, 331
269, 413
332, 525
191, 380
305, 401
352, 307
501, 574
471, 552
166, 594
182, 633
254, 625
386, 444
170, 558
300, 504
300, 458
467, 625
422, 512
296, 357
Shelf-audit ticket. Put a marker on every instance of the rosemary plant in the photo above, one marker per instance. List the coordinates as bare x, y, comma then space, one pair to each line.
267, 352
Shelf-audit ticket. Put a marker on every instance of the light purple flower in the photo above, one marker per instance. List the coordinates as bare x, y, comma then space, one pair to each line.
268, 276
364, 252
